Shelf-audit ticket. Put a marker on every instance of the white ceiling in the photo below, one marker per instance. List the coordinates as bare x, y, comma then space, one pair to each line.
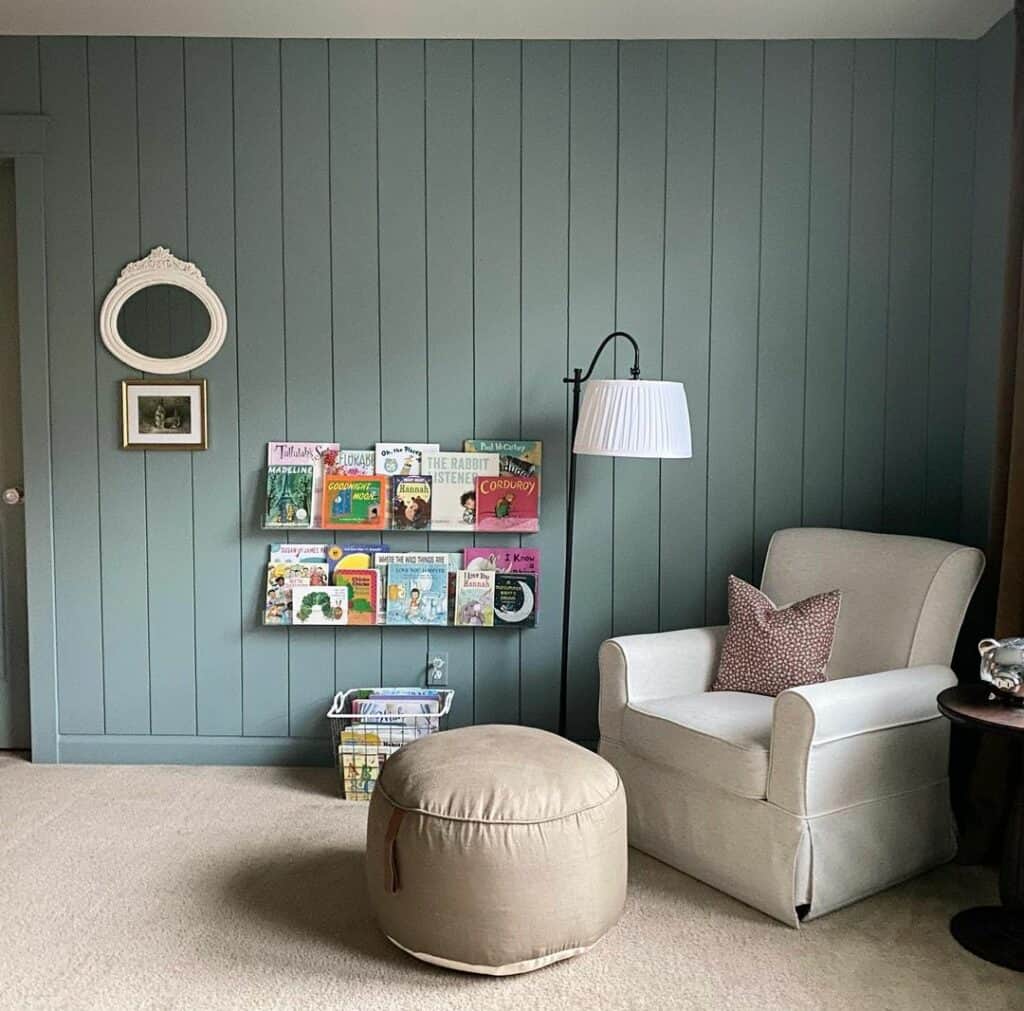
530, 19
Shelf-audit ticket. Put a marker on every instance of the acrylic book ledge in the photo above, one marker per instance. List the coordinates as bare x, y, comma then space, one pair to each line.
490, 486
346, 585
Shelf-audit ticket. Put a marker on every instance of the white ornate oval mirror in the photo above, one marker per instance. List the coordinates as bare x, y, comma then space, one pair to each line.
162, 317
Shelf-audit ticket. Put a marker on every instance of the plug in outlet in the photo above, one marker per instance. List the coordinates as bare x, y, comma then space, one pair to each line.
437, 670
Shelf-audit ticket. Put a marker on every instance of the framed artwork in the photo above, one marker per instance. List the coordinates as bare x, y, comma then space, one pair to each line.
163, 414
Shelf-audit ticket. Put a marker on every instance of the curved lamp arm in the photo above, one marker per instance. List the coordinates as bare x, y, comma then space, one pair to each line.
580, 377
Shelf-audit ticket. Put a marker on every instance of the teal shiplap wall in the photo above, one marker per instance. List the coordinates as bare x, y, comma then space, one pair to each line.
416, 240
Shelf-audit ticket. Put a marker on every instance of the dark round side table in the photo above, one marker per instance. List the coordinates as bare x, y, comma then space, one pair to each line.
994, 933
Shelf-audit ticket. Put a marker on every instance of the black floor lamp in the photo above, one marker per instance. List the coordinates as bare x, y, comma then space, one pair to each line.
619, 417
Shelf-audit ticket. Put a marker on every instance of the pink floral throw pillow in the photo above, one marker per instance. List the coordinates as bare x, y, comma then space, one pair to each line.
768, 649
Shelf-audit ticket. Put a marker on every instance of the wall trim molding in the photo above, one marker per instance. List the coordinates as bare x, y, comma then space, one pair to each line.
22, 135
40, 591
144, 749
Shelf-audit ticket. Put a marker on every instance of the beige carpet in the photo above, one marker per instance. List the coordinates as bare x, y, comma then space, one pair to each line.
209, 888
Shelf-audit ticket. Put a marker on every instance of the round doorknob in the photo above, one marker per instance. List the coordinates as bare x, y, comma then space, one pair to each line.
12, 496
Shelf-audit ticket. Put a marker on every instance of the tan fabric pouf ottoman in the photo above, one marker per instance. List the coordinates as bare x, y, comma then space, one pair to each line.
496, 849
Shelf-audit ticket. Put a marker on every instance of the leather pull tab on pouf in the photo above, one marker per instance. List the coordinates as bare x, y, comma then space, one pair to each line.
496, 849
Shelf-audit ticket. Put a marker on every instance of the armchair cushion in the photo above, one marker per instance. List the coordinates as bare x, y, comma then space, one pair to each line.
722, 738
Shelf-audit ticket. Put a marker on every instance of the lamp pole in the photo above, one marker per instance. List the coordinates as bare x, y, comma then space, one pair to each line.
577, 379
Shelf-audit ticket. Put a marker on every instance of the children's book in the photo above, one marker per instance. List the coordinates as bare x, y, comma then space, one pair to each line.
291, 554
360, 769
454, 503
290, 566
411, 502
416, 713
278, 607
355, 503
417, 594
381, 561
349, 462
289, 496
402, 458
319, 605
503, 559
515, 599
312, 454
351, 556
507, 504
361, 588
474, 598
519, 457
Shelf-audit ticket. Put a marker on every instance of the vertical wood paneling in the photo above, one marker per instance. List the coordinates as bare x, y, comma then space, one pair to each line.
417, 240
906, 396
593, 186
866, 310
124, 537
952, 205
215, 496
734, 303
640, 256
827, 283
163, 203
689, 188
545, 280
310, 409
19, 74
994, 55
449, 238
354, 284
259, 324
496, 320
782, 301
403, 309
73, 356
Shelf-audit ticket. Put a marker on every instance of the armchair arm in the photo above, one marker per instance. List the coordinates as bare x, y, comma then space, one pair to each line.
654, 666
857, 739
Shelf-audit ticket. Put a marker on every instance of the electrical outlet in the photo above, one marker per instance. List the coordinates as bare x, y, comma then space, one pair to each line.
437, 670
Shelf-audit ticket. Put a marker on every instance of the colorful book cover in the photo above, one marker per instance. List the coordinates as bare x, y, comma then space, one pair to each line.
359, 769
290, 566
380, 561
355, 503
361, 587
454, 503
411, 502
417, 594
351, 556
289, 496
349, 462
474, 598
278, 607
402, 458
313, 454
319, 605
515, 599
519, 457
507, 504
503, 559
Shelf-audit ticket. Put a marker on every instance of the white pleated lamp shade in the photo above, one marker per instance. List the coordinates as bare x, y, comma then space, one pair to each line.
634, 417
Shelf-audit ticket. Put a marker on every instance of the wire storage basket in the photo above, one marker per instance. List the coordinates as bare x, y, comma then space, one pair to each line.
368, 725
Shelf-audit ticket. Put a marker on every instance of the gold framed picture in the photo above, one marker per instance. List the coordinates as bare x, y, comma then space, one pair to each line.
163, 414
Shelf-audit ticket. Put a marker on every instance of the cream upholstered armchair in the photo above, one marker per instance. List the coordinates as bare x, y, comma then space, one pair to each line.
800, 804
